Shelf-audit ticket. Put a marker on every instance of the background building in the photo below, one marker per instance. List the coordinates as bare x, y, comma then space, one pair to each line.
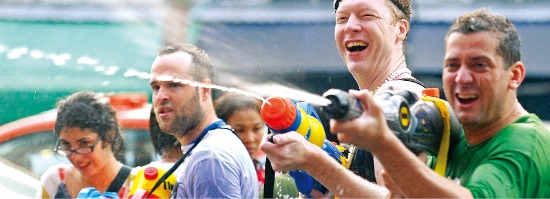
51, 48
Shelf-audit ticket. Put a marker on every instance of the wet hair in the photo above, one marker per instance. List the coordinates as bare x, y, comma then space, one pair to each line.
228, 103
201, 66
160, 139
482, 20
404, 8
88, 110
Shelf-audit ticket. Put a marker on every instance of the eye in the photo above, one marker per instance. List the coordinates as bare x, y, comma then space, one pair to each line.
451, 66
341, 19
481, 65
369, 17
85, 143
64, 145
239, 130
174, 85
155, 87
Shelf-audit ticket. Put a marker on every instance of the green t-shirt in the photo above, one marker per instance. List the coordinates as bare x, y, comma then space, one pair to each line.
515, 163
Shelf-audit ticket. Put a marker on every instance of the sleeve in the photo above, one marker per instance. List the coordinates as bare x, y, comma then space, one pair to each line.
207, 180
50, 181
504, 176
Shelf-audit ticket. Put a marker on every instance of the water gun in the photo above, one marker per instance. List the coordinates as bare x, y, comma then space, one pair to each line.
144, 181
282, 115
423, 125
92, 193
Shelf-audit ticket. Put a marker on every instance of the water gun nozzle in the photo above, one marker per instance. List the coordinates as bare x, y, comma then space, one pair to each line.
278, 113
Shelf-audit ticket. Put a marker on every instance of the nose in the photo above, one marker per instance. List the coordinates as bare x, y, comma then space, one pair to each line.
352, 24
247, 137
463, 75
74, 157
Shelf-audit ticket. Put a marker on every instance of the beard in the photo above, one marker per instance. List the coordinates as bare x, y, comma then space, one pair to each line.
184, 124
192, 115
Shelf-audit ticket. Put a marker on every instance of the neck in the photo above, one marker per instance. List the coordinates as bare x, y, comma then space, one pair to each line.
194, 134
104, 177
171, 154
394, 71
477, 134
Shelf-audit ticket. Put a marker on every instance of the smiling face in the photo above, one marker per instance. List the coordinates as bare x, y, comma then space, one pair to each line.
249, 126
368, 37
87, 164
176, 105
475, 82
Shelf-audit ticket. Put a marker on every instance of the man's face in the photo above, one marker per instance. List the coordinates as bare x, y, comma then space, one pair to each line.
366, 36
474, 79
176, 105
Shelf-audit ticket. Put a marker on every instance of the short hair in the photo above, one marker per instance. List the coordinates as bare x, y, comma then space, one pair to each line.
404, 8
228, 103
160, 139
201, 67
88, 110
482, 20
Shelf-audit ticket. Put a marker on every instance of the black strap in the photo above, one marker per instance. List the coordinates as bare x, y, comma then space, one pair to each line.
119, 179
269, 183
413, 80
178, 163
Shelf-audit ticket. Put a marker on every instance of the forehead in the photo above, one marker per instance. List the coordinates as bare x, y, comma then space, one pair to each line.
73, 133
483, 42
174, 64
379, 5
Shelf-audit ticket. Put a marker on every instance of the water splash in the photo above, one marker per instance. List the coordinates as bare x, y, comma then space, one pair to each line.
256, 90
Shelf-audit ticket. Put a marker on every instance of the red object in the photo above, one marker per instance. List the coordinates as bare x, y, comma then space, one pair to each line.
151, 173
432, 92
278, 113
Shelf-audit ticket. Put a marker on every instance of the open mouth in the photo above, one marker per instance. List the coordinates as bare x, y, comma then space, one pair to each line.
164, 110
356, 46
467, 98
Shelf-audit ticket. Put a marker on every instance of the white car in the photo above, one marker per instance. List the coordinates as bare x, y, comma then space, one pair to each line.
15, 182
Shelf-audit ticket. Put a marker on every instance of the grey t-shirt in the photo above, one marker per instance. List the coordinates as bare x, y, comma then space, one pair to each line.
218, 167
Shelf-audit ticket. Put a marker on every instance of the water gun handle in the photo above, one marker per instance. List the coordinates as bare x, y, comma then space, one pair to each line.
92, 193
146, 178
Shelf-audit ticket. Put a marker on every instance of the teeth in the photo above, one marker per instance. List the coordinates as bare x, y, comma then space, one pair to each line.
356, 43
467, 96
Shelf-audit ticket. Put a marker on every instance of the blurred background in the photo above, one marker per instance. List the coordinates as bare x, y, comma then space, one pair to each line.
52, 48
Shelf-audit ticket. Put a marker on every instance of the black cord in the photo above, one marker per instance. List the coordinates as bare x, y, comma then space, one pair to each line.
269, 183
175, 166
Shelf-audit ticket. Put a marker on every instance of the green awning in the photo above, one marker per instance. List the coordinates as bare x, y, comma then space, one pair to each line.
42, 61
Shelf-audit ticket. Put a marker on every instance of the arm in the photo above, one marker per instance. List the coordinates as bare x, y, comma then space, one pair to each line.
292, 152
406, 171
50, 181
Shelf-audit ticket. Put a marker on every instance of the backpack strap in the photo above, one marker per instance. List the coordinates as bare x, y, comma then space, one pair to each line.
119, 179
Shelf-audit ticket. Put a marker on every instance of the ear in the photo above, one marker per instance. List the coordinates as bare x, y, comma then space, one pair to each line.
517, 71
404, 28
205, 93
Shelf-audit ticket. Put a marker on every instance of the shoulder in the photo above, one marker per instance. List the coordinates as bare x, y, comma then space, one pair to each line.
402, 85
52, 178
56, 173
527, 130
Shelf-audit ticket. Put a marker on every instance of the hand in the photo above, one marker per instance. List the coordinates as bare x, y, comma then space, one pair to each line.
368, 130
289, 151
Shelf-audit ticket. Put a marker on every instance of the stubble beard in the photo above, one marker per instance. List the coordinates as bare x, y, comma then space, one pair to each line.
185, 123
